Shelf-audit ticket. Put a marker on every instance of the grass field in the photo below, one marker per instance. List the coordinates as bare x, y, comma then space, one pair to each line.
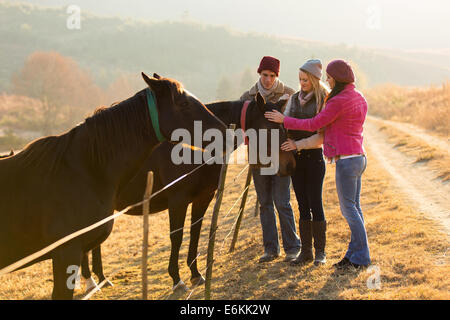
409, 245
409, 249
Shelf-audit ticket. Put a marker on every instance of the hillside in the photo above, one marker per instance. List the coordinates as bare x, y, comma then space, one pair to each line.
381, 23
198, 55
427, 107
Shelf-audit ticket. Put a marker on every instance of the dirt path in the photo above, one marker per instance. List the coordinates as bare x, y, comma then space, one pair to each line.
434, 141
415, 180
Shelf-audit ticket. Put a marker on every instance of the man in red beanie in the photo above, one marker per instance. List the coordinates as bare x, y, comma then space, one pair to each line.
274, 189
269, 86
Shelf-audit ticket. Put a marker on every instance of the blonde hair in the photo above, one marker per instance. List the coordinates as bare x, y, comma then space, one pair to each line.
320, 90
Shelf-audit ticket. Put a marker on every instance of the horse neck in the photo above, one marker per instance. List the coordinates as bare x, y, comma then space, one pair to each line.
119, 161
124, 168
228, 112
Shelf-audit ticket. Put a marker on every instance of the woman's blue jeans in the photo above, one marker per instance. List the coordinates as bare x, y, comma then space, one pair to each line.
348, 185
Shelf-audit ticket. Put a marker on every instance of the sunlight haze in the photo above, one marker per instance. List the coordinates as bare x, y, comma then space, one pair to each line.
398, 24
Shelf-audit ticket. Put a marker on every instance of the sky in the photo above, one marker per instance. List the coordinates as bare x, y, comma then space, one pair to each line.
395, 24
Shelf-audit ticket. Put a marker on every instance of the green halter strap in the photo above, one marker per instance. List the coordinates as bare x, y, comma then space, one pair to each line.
154, 114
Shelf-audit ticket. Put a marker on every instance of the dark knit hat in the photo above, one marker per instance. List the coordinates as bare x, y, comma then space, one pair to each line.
341, 71
269, 63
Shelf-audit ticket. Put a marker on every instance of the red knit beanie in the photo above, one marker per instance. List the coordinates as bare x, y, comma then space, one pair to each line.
269, 63
341, 71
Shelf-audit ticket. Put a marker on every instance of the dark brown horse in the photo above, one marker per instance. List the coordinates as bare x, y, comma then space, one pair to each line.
61, 184
197, 188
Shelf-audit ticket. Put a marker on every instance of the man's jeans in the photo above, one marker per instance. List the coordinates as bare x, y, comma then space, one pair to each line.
348, 185
270, 190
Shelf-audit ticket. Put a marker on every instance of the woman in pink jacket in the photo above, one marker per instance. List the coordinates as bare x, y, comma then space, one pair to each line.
342, 120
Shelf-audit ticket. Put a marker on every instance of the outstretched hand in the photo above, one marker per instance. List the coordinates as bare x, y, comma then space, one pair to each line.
274, 116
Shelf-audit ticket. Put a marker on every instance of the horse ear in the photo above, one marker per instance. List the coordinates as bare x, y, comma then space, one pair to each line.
260, 102
152, 82
11, 153
280, 104
156, 76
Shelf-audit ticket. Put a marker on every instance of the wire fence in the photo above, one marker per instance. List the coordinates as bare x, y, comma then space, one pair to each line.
145, 203
170, 292
78, 233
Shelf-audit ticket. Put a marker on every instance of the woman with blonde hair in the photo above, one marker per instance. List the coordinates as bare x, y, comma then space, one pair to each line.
343, 118
310, 165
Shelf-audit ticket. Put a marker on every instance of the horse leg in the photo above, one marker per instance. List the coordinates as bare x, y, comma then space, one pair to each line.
177, 215
86, 273
97, 266
66, 264
199, 208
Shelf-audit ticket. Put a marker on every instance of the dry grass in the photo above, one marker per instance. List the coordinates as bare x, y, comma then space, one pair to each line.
426, 107
409, 249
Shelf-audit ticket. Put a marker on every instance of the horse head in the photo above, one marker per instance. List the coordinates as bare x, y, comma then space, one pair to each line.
178, 108
256, 120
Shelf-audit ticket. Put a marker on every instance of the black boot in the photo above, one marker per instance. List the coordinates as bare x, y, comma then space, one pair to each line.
306, 255
320, 234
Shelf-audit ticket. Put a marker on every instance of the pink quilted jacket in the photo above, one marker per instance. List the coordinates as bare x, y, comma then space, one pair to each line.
343, 118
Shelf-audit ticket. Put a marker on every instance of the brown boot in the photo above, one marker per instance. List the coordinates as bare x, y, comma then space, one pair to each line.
306, 255
320, 234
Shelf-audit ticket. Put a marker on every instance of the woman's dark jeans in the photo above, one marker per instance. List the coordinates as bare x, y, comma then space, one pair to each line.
308, 182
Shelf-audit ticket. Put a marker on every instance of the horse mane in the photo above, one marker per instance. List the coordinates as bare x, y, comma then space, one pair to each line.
101, 109
227, 111
107, 124
45, 153
109, 130
117, 128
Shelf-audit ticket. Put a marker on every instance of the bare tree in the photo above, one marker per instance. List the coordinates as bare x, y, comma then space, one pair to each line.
65, 90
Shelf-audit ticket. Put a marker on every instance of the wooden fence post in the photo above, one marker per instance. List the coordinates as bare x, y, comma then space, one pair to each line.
213, 229
241, 209
146, 211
